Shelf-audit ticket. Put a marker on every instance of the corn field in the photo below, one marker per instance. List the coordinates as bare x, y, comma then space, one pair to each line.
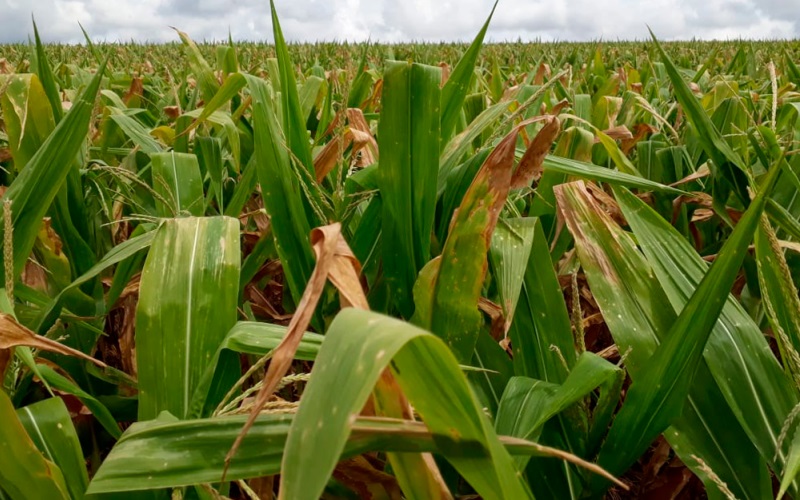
428, 271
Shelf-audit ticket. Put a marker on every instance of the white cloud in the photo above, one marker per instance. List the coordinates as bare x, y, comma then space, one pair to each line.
393, 21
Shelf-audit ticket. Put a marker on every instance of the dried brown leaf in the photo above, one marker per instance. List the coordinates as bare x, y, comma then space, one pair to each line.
559, 106
445, 72
357, 121
34, 276
699, 174
495, 313
619, 133
530, 167
368, 482
135, 90
584, 200
330, 154
641, 131
172, 112
543, 73
324, 241
5, 359
12, 334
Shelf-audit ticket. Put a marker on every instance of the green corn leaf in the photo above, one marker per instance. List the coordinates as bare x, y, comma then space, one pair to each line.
187, 304
137, 132
631, 301
245, 338
658, 397
194, 450
408, 137
24, 472
294, 123
29, 121
92, 47
779, 295
177, 181
490, 372
723, 157
244, 189
362, 83
752, 382
595, 173
49, 425
38, 183
309, 94
48, 79
100, 412
429, 376
620, 160
541, 319
455, 89
280, 192
229, 129
459, 145
456, 187
784, 219
527, 404
209, 156
206, 81
509, 253
233, 84
792, 466
263, 250
27, 115
116, 255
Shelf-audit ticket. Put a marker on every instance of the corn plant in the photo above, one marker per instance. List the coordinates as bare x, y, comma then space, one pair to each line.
325, 270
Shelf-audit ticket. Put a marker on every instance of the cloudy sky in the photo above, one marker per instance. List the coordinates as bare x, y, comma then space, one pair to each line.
400, 20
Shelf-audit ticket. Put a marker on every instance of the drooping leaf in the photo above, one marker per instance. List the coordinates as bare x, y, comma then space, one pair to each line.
428, 374
456, 285
194, 450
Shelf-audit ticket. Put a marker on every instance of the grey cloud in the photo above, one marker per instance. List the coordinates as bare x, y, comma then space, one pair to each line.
393, 21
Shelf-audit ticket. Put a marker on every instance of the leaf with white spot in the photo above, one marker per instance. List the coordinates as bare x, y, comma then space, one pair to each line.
187, 304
